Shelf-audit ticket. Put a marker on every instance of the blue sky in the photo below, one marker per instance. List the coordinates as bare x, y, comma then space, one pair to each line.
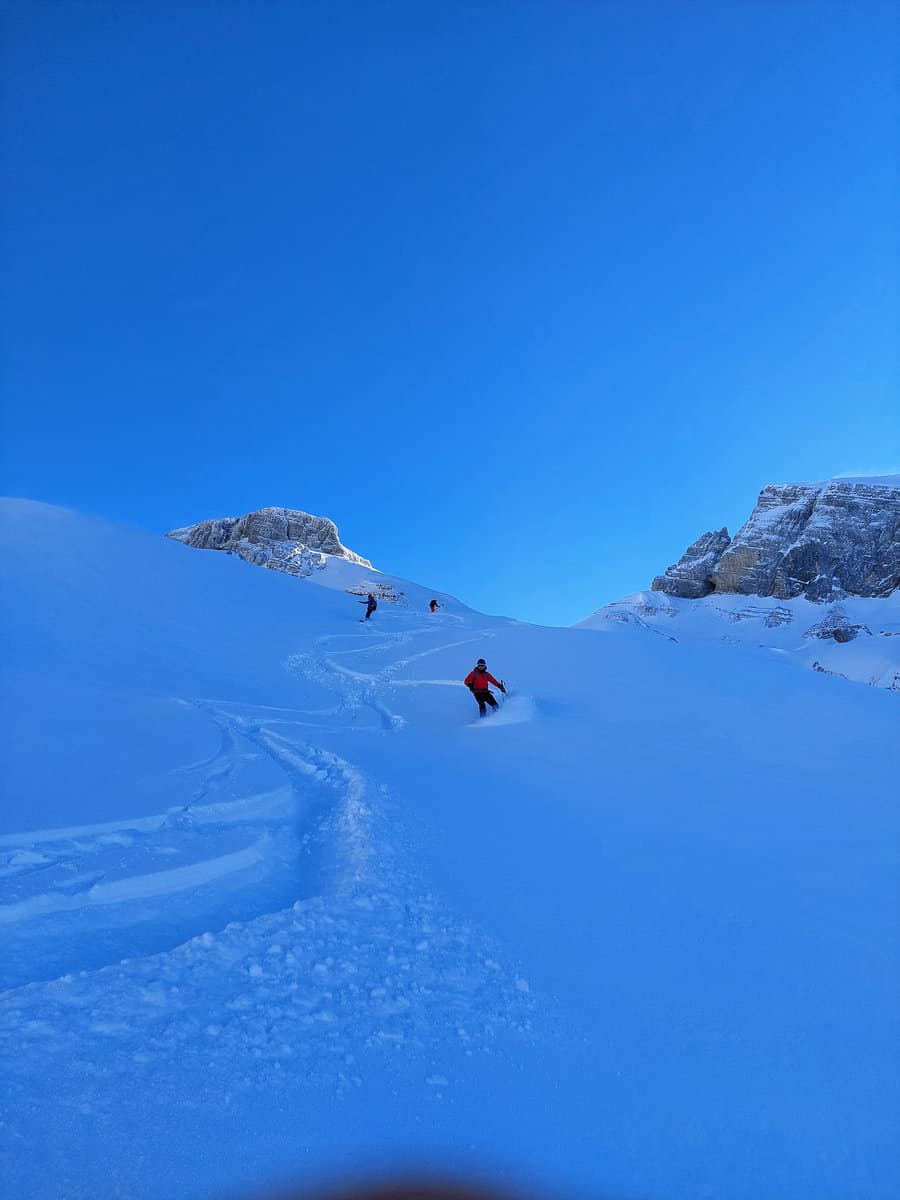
526, 296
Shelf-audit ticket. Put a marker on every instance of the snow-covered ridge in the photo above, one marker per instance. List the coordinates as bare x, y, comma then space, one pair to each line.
823, 541
857, 639
283, 539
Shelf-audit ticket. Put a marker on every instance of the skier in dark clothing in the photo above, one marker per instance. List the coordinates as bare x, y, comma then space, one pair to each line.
477, 682
433, 605
371, 604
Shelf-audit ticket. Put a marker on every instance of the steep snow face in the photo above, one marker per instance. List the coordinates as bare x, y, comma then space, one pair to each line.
280, 538
275, 903
822, 541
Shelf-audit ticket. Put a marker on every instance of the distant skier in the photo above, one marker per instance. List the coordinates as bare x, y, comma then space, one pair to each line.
434, 606
477, 682
371, 604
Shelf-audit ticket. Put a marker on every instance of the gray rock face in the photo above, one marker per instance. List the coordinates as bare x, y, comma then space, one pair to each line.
770, 617
692, 576
821, 541
280, 538
836, 624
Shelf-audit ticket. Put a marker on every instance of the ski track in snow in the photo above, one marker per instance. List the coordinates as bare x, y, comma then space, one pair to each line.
38, 853
362, 935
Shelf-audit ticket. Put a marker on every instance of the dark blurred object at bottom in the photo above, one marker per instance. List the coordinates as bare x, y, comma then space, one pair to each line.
408, 1189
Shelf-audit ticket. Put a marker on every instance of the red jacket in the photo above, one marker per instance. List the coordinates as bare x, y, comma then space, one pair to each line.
478, 680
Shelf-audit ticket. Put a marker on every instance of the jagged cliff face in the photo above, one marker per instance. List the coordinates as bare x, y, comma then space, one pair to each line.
281, 538
821, 541
691, 577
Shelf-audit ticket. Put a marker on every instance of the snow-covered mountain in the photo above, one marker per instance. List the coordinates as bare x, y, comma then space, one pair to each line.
815, 568
823, 541
276, 907
309, 548
283, 539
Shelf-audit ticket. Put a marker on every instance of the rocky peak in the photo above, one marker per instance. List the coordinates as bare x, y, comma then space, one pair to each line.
691, 576
820, 540
280, 538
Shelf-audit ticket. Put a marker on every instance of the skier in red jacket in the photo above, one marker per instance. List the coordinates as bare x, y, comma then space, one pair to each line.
477, 682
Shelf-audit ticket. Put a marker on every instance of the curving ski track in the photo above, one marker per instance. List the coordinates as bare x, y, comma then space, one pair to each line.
289, 925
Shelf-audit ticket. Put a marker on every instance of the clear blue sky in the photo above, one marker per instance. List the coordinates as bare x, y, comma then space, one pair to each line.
526, 296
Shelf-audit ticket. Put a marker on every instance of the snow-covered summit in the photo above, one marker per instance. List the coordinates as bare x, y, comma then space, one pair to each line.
284, 539
891, 481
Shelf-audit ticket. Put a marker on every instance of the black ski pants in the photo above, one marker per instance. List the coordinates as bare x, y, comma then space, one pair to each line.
483, 696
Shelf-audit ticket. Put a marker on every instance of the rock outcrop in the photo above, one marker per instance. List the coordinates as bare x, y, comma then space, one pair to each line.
280, 538
836, 624
822, 541
692, 576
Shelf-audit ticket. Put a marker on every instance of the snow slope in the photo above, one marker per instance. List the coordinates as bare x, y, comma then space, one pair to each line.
795, 629
275, 907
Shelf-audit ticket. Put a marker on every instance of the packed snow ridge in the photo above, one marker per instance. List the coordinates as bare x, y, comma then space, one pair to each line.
283, 539
823, 541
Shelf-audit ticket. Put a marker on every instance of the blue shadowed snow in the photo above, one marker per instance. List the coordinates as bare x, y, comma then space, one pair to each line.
276, 906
